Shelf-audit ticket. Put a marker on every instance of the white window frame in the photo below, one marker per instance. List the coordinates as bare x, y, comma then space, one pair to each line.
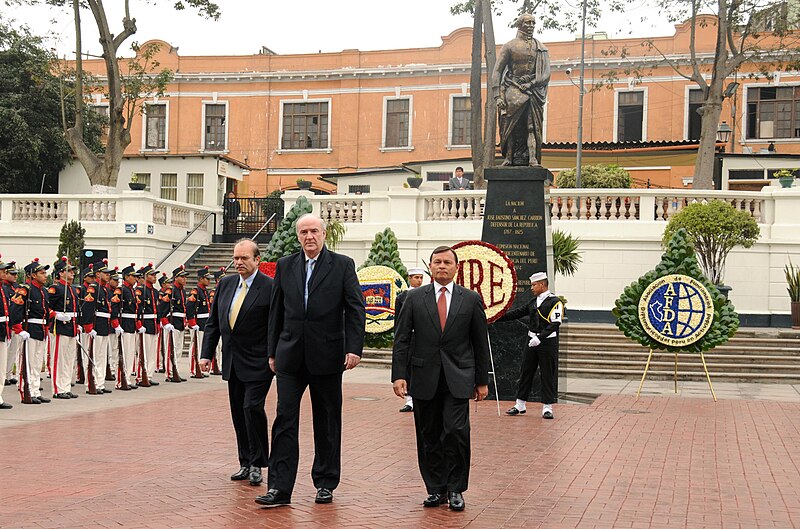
743, 139
224, 150
329, 149
161, 185
616, 110
202, 188
410, 146
144, 126
450, 145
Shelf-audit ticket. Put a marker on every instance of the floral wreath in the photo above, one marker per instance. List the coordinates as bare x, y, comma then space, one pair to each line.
464, 251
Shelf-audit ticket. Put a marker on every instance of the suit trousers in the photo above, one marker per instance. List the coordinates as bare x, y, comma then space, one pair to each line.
4, 347
443, 443
249, 419
326, 411
64, 358
545, 357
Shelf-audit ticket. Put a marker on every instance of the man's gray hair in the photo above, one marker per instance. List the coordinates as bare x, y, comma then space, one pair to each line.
314, 216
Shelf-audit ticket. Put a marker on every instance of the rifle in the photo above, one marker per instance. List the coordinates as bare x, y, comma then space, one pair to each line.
173, 364
143, 380
91, 386
24, 383
122, 369
194, 352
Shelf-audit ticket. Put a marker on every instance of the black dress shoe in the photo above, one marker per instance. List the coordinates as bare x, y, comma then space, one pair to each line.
154, 383
548, 414
255, 476
514, 411
106, 390
162, 370
8, 382
243, 474
44, 400
5, 406
456, 501
324, 495
435, 499
134, 386
72, 395
183, 379
273, 498
34, 400
64, 396
406, 408
110, 379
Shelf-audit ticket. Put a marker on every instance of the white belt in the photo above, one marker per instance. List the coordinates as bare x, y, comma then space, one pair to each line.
149, 316
3, 319
179, 314
202, 316
37, 321
103, 314
129, 316
70, 314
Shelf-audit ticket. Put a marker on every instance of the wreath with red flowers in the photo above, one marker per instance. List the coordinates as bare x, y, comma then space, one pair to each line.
487, 256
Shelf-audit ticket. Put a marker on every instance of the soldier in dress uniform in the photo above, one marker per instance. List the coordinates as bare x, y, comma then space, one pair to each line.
79, 377
96, 322
10, 284
216, 366
198, 305
116, 307
130, 323
164, 282
6, 293
30, 311
415, 277
172, 311
148, 316
64, 330
545, 310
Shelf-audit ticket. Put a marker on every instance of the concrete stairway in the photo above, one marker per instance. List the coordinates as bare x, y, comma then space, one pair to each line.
602, 351
214, 256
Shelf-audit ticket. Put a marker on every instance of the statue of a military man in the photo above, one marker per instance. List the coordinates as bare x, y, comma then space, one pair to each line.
519, 83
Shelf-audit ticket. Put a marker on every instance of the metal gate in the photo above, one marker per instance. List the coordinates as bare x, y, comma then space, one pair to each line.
245, 216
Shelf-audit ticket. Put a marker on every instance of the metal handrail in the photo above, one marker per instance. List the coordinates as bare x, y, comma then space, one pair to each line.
254, 236
188, 234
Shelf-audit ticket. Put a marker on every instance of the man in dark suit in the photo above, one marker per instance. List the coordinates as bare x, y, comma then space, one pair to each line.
316, 331
240, 317
448, 365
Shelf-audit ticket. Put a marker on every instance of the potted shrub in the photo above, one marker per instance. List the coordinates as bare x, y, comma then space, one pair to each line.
785, 177
414, 181
135, 184
793, 287
714, 229
303, 184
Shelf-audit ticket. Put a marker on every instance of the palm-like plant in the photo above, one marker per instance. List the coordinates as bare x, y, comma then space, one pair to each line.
334, 233
793, 280
566, 256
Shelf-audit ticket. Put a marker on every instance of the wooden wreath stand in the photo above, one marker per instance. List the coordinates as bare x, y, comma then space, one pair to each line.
705, 368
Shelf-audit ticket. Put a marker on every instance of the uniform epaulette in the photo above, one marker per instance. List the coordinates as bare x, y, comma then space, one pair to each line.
88, 298
194, 291
191, 297
115, 299
23, 289
90, 289
118, 291
18, 299
52, 290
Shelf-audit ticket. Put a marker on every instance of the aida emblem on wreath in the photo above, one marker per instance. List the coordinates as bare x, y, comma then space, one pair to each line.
675, 307
380, 286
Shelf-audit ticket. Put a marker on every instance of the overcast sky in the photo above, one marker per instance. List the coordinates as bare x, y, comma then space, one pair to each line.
298, 26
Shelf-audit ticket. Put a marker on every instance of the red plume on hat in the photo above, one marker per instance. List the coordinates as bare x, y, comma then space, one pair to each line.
35, 259
221, 268
133, 264
149, 264
105, 261
91, 265
183, 267
205, 268
163, 274
64, 258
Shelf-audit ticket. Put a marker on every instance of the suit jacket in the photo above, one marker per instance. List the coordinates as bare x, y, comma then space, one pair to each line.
453, 184
244, 348
333, 324
461, 350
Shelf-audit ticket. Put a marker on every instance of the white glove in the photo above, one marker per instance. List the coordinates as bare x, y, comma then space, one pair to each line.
534, 341
195, 327
60, 316
93, 333
80, 329
141, 330
118, 330
24, 335
168, 327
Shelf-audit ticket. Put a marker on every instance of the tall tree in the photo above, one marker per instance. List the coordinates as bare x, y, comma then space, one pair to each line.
103, 169
32, 145
754, 31
550, 14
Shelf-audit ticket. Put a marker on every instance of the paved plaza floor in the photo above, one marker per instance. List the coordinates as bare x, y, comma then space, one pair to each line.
161, 458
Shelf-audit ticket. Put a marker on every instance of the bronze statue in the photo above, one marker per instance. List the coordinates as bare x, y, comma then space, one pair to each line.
520, 82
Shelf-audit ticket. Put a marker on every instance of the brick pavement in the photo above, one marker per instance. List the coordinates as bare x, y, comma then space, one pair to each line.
656, 463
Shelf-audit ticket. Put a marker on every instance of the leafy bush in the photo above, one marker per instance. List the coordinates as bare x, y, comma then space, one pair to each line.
596, 176
284, 241
384, 252
714, 229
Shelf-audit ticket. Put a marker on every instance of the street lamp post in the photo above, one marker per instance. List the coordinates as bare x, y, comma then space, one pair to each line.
579, 147
724, 132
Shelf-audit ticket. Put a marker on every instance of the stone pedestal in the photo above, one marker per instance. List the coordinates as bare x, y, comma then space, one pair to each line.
516, 220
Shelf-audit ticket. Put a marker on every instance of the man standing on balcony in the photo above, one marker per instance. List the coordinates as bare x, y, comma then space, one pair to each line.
459, 182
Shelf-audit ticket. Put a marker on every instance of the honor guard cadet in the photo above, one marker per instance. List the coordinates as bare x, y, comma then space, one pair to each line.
415, 278
83, 337
198, 305
130, 324
64, 331
6, 293
216, 367
148, 316
96, 322
545, 310
10, 283
114, 337
172, 311
164, 282
30, 310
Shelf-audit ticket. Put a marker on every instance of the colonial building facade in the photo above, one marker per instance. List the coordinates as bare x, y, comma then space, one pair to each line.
290, 117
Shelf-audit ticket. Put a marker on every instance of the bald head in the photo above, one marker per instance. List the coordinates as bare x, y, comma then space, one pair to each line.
311, 234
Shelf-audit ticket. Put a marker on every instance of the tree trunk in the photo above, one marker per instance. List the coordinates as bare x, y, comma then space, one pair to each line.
475, 89
704, 165
490, 124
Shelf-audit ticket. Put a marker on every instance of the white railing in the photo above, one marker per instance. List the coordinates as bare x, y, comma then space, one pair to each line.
180, 217
39, 209
467, 205
345, 209
160, 214
102, 210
